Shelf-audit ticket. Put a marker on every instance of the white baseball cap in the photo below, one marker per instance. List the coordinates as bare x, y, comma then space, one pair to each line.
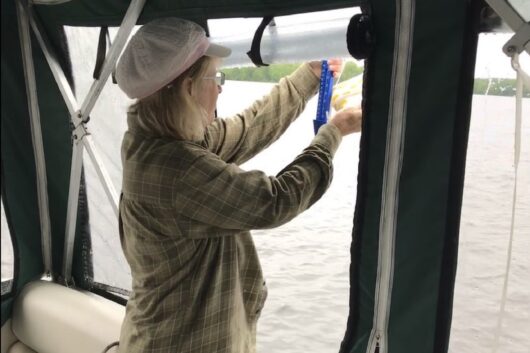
159, 52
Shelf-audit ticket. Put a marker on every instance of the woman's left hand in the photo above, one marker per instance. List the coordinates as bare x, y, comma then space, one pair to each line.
336, 65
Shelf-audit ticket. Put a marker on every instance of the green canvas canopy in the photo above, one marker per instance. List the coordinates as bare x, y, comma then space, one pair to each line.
410, 174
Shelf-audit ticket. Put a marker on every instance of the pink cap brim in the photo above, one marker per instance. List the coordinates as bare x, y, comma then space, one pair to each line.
218, 51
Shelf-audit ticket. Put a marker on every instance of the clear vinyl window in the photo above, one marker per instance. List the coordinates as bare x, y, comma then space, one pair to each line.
306, 261
487, 211
8, 257
107, 125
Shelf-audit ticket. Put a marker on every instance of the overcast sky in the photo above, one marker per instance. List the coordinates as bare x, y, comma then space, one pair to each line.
491, 60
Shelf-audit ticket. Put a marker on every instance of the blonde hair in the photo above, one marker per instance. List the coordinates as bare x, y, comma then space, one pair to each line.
172, 111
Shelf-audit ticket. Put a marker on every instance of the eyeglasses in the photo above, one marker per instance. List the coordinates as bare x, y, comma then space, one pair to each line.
219, 78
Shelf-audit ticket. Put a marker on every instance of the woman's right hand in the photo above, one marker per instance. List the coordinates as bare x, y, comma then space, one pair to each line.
348, 120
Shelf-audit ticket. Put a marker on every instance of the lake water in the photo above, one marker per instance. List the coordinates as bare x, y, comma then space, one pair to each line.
306, 262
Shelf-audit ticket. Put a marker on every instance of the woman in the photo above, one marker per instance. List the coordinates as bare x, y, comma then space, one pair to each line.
187, 207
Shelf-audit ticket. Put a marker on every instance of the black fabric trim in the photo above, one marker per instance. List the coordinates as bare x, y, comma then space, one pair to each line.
360, 204
6, 288
255, 52
111, 293
85, 268
456, 179
102, 50
104, 38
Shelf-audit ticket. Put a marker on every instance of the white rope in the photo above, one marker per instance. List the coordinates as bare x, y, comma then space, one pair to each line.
521, 76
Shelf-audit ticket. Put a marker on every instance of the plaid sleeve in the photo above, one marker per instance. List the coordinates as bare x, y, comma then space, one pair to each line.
222, 195
239, 138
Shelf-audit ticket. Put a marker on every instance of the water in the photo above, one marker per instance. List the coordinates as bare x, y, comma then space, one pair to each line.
306, 262
485, 231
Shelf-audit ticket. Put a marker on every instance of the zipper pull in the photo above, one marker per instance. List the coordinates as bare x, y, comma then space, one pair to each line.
377, 342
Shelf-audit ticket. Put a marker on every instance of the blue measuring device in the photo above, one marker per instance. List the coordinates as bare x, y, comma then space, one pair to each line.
324, 96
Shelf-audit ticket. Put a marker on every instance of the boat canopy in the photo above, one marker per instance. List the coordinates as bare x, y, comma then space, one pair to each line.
418, 84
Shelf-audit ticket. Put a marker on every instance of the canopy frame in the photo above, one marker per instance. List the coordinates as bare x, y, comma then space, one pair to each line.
36, 138
519, 40
81, 137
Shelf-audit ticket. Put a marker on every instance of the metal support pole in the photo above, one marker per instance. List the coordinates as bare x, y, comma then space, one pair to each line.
84, 140
126, 27
518, 42
51, 58
110, 191
79, 118
507, 13
71, 213
504, 9
36, 137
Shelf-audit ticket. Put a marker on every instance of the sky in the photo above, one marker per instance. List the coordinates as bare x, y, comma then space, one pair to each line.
491, 60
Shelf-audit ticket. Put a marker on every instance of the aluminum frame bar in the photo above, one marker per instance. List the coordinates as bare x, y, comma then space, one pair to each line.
53, 63
279, 45
83, 139
512, 18
103, 175
79, 118
518, 42
507, 13
71, 211
126, 27
36, 138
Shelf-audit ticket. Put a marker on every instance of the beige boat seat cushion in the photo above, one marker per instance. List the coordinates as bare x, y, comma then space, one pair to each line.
50, 318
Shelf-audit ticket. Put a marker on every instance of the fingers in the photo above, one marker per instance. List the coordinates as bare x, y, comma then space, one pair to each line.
348, 120
335, 61
336, 65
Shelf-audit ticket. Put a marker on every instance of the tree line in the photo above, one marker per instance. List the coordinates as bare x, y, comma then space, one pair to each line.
273, 73
497, 87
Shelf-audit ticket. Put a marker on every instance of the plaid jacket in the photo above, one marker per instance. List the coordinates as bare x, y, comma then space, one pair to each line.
186, 212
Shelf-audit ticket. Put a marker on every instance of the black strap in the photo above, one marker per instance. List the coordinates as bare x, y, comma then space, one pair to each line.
104, 37
254, 53
120, 222
113, 344
102, 51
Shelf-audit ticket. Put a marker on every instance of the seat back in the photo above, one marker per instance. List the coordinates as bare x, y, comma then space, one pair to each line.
50, 318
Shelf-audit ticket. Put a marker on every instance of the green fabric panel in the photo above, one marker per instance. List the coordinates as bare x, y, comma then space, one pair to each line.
18, 161
426, 190
379, 72
17, 151
425, 175
56, 137
100, 12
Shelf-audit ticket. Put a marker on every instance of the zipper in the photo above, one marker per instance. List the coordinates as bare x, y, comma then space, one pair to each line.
377, 342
